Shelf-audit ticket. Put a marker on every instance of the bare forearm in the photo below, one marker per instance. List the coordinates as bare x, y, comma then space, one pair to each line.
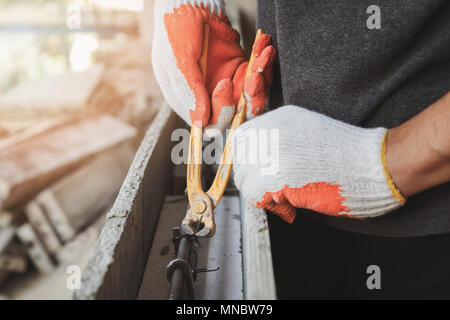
418, 151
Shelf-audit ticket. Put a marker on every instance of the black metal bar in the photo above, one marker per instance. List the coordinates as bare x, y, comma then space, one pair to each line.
179, 271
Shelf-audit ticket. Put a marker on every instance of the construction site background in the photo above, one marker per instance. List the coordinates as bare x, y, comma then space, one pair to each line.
77, 94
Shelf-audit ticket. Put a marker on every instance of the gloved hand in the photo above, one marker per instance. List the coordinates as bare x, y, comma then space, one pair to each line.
177, 48
317, 163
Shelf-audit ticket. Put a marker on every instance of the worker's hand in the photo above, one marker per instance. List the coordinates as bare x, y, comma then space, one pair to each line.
307, 160
177, 48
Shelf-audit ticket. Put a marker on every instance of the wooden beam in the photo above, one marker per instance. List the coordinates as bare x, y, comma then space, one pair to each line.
30, 166
7, 233
56, 216
12, 253
36, 217
76, 200
35, 249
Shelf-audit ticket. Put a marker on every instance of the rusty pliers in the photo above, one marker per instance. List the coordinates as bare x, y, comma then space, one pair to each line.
199, 219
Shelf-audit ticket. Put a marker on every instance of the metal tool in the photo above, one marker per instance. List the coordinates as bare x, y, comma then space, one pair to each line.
183, 271
199, 219
180, 271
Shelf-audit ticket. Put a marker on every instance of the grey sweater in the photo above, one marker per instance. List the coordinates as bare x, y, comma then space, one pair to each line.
331, 62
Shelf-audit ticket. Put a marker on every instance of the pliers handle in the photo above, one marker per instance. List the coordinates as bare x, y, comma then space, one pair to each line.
199, 219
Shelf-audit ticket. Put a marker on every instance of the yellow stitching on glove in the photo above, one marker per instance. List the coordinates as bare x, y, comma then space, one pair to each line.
395, 191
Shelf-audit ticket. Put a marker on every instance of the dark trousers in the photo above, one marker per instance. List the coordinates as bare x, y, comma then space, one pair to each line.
315, 261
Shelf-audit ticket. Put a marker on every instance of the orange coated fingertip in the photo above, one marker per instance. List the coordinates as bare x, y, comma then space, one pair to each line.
263, 41
223, 96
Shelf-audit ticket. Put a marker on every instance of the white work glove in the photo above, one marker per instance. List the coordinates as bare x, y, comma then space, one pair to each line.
316, 163
177, 48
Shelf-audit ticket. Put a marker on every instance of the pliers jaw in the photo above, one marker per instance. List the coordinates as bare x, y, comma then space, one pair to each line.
199, 219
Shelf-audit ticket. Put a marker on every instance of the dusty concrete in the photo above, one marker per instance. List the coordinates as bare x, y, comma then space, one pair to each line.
258, 266
116, 267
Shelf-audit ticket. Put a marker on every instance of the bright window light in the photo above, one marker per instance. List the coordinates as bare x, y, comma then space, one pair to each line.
132, 5
81, 52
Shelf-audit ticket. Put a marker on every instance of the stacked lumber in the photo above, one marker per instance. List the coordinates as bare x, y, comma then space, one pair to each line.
66, 143
62, 180
60, 214
66, 218
12, 254
33, 164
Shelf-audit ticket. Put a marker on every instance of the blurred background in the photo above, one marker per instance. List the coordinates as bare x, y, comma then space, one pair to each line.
76, 97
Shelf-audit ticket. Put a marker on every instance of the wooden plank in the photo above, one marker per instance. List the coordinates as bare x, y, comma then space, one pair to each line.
12, 256
87, 192
12, 252
42, 226
56, 215
32, 165
117, 265
258, 266
35, 249
27, 133
6, 237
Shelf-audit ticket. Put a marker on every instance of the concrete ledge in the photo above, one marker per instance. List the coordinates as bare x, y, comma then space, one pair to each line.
117, 264
259, 280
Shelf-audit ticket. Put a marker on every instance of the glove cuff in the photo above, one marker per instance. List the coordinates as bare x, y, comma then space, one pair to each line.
395, 191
